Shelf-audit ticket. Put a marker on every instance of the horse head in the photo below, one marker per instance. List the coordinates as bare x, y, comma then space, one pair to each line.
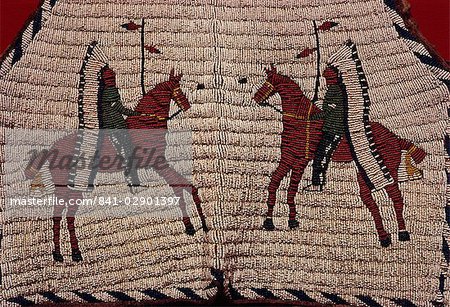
158, 99
155, 105
270, 87
173, 87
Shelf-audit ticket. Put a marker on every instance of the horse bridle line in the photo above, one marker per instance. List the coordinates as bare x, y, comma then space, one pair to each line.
157, 117
175, 94
270, 85
271, 88
296, 116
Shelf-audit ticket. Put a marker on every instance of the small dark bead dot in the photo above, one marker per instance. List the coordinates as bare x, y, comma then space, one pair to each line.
200, 86
243, 81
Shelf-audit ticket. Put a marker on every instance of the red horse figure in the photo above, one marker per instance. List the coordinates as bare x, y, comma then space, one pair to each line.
155, 107
299, 142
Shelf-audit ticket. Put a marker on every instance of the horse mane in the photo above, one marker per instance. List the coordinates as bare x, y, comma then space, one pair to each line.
288, 81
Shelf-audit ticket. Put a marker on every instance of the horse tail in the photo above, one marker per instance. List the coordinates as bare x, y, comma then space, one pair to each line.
413, 153
416, 153
35, 164
33, 171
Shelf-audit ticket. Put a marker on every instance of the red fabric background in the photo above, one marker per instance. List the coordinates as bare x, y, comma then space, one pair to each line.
432, 16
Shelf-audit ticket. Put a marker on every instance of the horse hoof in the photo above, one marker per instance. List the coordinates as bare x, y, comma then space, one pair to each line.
268, 224
293, 224
204, 226
76, 255
135, 189
58, 257
386, 242
403, 236
190, 230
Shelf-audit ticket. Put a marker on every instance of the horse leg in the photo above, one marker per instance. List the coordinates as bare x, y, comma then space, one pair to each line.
396, 196
57, 217
278, 175
71, 211
178, 184
198, 205
57, 256
57, 212
296, 176
189, 228
186, 185
366, 196
65, 194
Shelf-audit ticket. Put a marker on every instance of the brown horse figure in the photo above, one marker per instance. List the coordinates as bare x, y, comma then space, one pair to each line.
156, 107
299, 141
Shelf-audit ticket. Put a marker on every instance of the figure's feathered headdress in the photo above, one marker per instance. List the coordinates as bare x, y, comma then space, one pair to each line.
360, 135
